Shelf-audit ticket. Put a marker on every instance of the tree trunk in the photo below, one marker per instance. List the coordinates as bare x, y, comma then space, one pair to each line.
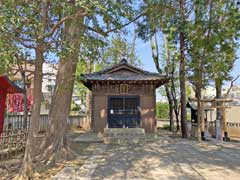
182, 88
199, 110
25, 112
56, 142
132, 52
88, 109
176, 112
168, 87
27, 166
170, 104
174, 98
218, 96
182, 76
219, 111
177, 119
27, 170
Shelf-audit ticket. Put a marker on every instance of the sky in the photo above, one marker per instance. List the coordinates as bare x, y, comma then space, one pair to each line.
143, 51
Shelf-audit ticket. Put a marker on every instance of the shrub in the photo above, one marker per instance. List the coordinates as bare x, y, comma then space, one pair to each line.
162, 110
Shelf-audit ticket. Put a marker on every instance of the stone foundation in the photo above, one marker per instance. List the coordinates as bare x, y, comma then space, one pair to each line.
123, 136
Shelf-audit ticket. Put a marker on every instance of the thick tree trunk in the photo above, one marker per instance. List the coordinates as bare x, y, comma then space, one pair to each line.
182, 76
219, 111
60, 107
56, 142
27, 170
182, 88
218, 86
27, 166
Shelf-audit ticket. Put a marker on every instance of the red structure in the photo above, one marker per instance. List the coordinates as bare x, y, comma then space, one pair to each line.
15, 102
6, 87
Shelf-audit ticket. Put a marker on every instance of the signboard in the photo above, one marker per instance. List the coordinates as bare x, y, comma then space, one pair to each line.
16, 102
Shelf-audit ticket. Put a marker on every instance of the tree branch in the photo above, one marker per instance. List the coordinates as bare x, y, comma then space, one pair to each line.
18, 39
231, 85
80, 13
126, 24
105, 33
155, 56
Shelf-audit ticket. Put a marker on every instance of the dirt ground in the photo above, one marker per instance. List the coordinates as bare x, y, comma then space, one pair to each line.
10, 168
165, 156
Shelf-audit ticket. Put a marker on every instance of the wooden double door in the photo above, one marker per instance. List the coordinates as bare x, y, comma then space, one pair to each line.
123, 112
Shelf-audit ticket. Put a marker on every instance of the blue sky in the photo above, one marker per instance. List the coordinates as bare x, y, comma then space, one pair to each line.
144, 53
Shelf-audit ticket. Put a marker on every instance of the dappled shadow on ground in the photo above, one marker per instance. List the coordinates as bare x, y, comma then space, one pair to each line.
165, 157
10, 168
169, 158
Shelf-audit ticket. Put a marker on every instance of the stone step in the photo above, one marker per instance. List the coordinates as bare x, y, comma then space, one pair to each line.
124, 136
124, 141
124, 131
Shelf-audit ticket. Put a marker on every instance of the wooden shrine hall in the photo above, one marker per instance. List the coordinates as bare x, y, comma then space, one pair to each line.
123, 96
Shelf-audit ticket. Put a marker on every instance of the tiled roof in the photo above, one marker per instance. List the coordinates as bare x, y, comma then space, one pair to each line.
106, 75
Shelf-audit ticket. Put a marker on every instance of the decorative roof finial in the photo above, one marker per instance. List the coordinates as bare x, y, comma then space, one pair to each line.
123, 61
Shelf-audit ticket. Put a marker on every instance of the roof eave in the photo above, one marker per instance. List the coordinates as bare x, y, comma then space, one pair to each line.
18, 89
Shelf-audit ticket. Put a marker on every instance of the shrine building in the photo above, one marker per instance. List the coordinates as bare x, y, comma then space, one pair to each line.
123, 96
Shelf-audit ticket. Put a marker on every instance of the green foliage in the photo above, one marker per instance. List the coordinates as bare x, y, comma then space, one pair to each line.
118, 49
79, 88
6, 54
162, 110
96, 54
21, 23
212, 41
75, 107
22, 30
211, 30
189, 91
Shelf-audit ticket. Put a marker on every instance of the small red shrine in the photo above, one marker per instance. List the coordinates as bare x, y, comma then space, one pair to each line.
6, 87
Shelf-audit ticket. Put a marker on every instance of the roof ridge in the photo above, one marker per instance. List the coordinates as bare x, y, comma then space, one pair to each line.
125, 63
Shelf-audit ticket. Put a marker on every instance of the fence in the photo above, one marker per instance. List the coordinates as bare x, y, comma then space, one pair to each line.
13, 138
12, 143
16, 122
233, 129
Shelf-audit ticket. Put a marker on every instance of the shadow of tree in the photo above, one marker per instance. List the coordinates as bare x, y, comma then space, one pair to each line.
168, 158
